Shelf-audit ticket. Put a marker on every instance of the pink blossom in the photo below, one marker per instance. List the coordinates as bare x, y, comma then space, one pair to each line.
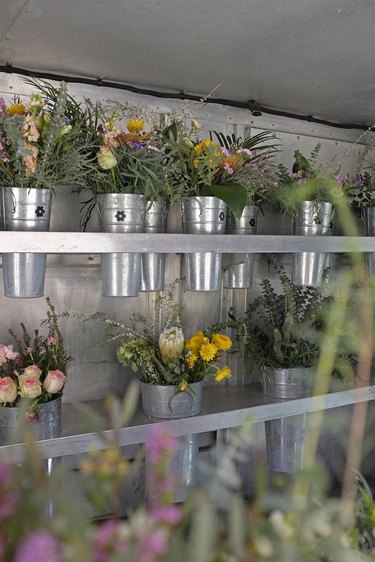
6, 352
31, 371
31, 416
160, 440
8, 390
153, 547
108, 541
41, 546
228, 168
54, 381
30, 387
52, 340
167, 514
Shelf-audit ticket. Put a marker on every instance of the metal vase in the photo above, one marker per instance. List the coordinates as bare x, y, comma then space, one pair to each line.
163, 402
368, 217
313, 219
203, 215
123, 213
285, 437
25, 209
240, 275
153, 264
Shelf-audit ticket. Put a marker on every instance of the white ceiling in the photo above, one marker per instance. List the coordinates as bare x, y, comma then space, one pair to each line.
313, 57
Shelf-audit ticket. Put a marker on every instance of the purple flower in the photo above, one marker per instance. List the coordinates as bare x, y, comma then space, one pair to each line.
358, 181
167, 514
160, 441
108, 541
342, 179
40, 546
153, 547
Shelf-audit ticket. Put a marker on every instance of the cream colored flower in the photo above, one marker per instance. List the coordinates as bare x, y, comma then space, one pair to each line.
8, 390
171, 342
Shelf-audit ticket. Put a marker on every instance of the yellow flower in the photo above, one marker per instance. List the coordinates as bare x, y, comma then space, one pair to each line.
208, 351
191, 359
195, 342
182, 386
222, 342
135, 125
224, 373
16, 109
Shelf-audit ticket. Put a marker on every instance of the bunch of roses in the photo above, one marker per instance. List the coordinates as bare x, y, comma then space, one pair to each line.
26, 382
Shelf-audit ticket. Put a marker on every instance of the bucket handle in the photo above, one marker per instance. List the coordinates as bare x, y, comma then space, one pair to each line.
188, 391
199, 203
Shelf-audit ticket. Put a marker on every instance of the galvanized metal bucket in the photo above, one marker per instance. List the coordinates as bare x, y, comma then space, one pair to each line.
239, 275
123, 213
153, 264
313, 219
285, 437
368, 217
203, 215
25, 209
46, 426
163, 401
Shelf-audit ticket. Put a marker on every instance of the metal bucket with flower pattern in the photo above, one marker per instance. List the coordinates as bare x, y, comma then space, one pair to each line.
121, 272
25, 209
203, 215
239, 275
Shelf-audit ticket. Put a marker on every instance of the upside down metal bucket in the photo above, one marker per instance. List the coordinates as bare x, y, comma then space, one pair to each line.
313, 219
123, 213
239, 275
153, 264
25, 209
203, 215
368, 217
163, 402
285, 437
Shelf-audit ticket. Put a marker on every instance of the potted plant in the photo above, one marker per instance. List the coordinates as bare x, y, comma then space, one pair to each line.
40, 151
248, 161
361, 192
32, 375
307, 195
282, 332
201, 174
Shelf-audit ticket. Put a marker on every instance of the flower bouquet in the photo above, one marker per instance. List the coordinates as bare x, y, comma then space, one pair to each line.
168, 363
40, 150
33, 370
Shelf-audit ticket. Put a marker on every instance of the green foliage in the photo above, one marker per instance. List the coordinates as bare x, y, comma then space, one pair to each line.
284, 329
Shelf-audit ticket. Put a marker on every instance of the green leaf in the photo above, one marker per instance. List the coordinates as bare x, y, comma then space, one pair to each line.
233, 194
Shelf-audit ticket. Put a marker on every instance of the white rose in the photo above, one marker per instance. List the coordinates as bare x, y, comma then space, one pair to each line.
30, 387
54, 381
8, 390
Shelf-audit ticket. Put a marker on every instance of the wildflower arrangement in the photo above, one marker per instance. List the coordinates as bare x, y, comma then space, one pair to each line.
309, 181
35, 367
248, 161
169, 358
39, 145
202, 167
128, 159
361, 190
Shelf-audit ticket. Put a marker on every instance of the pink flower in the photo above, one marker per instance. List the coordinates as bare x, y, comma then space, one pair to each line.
6, 352
29, 387
160, 440
52, 340
31, 371
31, 416
108, 541
228, 168
8, 498
170, 514
153, 547
8, 390
54, 381
40, 546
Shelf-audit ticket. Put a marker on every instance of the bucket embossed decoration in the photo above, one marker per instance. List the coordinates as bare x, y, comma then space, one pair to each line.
312, 219
25, 209
238, 272
203, 215
121, 271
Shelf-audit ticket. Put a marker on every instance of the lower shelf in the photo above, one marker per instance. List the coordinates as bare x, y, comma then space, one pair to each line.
224, 407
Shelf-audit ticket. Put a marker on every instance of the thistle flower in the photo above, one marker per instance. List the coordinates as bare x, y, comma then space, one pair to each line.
135, 125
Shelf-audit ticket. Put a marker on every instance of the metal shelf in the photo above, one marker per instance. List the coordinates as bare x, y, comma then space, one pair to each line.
100, 243
223, 407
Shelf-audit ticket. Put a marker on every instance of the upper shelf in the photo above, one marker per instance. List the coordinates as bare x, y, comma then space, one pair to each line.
101, 243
